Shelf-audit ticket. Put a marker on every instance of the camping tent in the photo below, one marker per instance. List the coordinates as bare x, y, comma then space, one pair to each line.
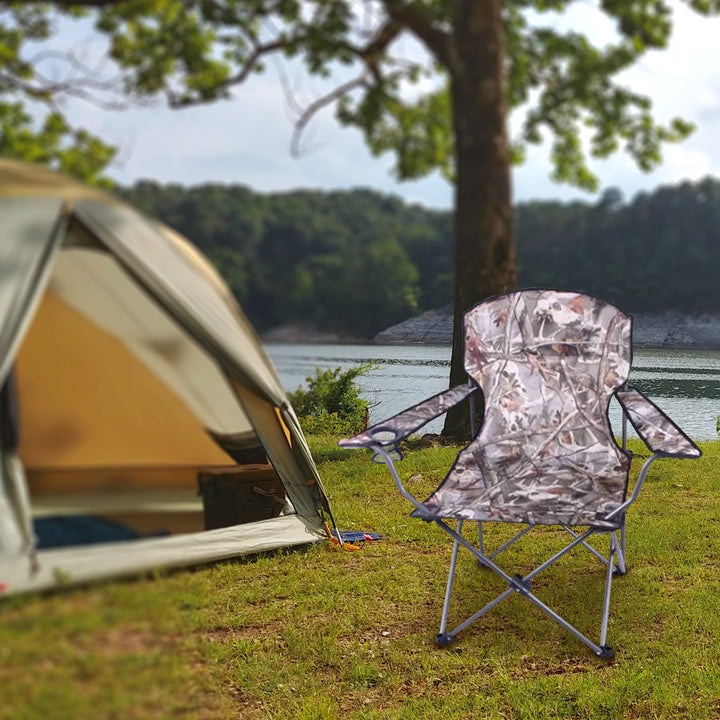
128, 375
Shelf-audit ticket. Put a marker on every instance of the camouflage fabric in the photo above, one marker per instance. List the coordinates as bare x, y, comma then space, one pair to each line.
404, 424
655, 428
548, 363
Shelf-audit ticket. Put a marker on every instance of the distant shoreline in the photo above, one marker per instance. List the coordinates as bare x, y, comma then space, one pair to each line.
669, 330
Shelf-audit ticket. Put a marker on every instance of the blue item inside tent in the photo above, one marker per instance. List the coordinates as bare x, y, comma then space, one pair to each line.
63, 531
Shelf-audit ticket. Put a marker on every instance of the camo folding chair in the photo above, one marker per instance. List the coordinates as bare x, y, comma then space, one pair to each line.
547, 363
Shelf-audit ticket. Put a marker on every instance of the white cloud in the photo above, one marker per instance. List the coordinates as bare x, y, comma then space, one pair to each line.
247, 141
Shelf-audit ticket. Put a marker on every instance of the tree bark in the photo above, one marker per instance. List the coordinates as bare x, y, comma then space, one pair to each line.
484, 237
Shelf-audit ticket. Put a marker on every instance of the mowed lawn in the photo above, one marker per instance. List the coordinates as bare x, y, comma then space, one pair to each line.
322, 633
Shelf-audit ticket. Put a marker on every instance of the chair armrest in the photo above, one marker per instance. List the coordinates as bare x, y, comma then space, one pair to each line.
404, 424
654, 427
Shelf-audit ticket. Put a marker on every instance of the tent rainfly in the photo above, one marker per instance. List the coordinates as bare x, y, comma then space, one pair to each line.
142, 425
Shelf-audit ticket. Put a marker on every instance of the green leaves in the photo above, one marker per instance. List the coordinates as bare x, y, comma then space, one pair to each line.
53, 143
575, 96
419, 132
47, 139
168, 48
646, 23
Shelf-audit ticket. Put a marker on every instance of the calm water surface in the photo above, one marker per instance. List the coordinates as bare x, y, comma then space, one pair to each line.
683, 383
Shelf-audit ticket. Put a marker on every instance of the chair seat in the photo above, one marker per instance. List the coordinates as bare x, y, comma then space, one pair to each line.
570, 489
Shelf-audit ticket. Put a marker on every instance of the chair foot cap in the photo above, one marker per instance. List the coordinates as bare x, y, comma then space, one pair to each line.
606, 652
443, 638
618, 572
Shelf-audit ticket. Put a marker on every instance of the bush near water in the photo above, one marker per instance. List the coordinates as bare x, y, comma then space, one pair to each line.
332, 404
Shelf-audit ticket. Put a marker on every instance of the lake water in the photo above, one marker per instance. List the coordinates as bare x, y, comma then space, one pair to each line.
683, 383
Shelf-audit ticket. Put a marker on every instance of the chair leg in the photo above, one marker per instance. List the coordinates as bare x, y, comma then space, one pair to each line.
614, 548
621, 568
444, 637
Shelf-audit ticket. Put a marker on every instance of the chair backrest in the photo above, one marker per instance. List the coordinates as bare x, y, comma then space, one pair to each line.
547, 363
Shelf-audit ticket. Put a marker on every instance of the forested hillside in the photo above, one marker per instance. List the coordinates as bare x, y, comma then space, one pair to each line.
360, 261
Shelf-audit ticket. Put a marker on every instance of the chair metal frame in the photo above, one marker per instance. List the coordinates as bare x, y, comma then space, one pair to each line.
652, 426
522, 584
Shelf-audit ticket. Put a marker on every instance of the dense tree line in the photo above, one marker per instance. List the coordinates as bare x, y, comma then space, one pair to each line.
360, 261
655, 253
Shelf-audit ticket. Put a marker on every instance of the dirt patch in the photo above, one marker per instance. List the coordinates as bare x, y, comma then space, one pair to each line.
233, 634
529, 666
129, 640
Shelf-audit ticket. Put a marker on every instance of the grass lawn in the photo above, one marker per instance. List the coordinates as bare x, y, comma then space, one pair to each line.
320, 633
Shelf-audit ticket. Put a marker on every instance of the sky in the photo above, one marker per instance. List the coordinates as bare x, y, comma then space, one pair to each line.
247, 140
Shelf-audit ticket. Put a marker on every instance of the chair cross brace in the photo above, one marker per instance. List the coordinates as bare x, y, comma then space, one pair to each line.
522, 584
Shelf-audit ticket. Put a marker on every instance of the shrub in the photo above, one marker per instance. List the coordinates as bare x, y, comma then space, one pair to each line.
332, 403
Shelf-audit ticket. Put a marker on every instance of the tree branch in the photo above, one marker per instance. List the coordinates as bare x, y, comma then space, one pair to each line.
370, 54
239, 77
437, 41
306, 115
47, 91
81, 81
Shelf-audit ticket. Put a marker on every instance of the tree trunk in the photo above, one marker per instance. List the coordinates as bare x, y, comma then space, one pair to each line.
484, 241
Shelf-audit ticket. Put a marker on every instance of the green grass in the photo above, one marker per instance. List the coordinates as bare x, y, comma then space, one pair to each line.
320, 633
